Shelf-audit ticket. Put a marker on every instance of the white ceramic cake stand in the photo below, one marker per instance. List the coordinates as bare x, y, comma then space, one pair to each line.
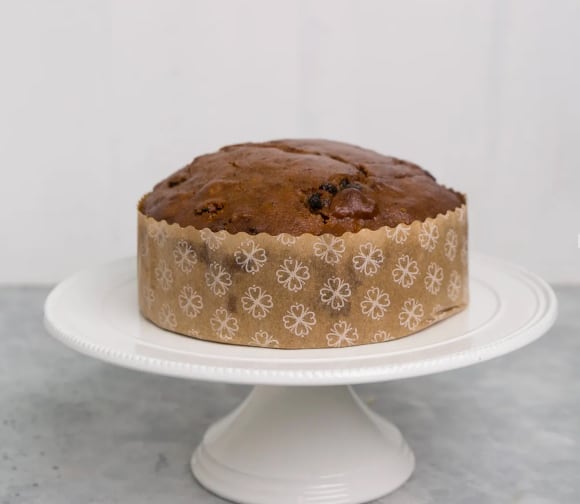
317, 443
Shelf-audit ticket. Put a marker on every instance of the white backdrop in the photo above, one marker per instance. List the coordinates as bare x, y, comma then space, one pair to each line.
100, 99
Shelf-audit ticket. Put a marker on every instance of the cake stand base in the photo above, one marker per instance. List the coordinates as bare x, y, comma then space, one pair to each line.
302, 444
317, 443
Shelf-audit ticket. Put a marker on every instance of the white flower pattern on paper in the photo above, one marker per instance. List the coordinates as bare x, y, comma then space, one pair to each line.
224, 324
454, 286
156, 232
286, 239
194, 332
373, 272
428, 236
335, 293
144, 248
167, 317
149, 297
405, 271
299, 320
329, 248
460, 211
250, 257
399, 234
451, 244
437, 312
264, 339
368, 259
218, 279
375, 303
212, 239
292, 274
257, 302
433, 278
381, 336
411, 314
184, 256
342, 334
163, 275
464, 252
190, 301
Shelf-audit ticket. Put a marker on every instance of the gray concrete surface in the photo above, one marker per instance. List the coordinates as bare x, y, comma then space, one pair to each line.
75, 430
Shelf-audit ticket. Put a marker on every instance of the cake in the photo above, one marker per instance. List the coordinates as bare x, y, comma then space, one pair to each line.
301, 244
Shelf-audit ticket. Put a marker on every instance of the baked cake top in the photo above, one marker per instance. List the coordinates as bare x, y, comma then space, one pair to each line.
295, 187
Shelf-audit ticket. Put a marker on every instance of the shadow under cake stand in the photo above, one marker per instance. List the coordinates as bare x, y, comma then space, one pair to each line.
302, 435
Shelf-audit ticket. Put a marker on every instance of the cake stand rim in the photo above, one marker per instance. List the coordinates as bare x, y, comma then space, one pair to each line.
538, 325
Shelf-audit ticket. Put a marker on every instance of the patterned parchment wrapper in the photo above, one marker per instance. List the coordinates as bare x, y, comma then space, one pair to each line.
303, 291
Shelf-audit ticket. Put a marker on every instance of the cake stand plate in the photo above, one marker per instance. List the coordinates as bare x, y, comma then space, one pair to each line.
317, 443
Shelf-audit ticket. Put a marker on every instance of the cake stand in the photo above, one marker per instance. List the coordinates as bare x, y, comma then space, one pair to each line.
302, 435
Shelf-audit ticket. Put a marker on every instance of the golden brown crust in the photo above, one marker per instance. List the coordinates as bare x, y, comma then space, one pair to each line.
295, 187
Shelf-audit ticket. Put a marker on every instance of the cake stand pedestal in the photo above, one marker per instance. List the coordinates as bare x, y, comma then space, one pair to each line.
302, 444
302, 435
